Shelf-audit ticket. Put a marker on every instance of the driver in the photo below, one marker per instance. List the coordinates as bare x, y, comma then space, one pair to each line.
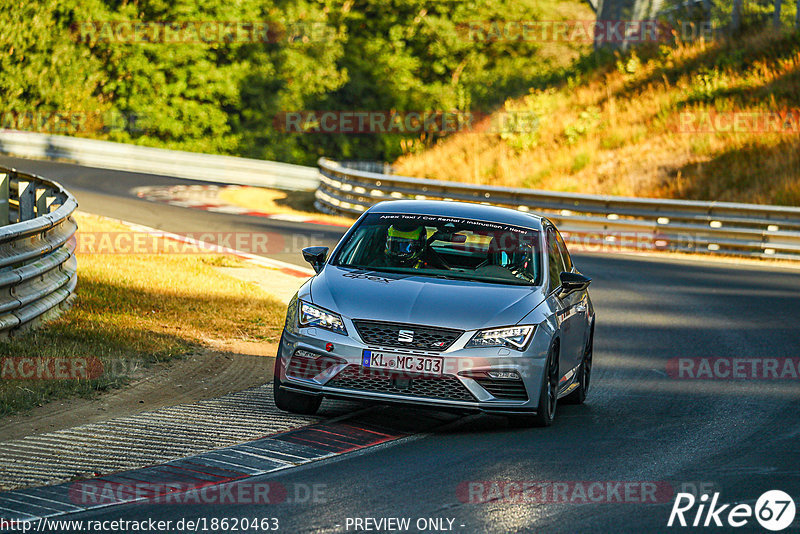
405, 245
513, 253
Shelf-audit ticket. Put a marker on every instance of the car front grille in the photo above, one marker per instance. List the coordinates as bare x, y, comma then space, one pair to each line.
445, 387
504, 389
422, 337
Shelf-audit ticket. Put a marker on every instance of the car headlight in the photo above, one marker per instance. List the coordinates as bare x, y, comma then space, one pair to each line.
513, 337
311, 315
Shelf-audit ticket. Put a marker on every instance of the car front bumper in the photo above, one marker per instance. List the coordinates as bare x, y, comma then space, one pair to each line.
464, 385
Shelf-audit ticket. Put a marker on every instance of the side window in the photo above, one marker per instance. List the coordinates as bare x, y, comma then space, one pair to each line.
564, 252
554, 262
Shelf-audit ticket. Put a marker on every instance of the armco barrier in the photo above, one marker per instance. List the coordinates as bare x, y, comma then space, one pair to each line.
159, 161
38, 271
596, 220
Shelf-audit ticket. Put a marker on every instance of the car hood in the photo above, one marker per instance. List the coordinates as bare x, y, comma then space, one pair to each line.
401, 298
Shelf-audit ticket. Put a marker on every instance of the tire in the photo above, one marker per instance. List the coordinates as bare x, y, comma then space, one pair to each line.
584, 375
548, 395
292, 402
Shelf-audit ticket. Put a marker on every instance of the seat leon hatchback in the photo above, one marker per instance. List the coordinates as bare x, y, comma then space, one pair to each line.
444, 305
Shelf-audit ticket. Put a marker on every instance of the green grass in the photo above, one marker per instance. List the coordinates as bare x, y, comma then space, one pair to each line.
138, 309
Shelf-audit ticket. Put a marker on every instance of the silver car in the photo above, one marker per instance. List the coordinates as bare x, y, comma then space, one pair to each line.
442, 304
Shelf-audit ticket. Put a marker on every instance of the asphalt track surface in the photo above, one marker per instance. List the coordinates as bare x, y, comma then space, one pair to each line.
640, 423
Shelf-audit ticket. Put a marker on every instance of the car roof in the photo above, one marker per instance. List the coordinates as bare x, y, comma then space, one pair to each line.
465, 210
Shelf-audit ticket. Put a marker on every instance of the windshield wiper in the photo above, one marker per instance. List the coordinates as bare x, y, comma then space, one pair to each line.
468, 278
375, 269
424, 273
446, 277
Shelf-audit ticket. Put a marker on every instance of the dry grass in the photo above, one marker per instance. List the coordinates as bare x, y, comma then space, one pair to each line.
145, 308
615, 128
299, 203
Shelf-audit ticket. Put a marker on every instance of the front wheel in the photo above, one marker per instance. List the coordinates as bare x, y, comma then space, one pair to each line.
548, 395
290, 401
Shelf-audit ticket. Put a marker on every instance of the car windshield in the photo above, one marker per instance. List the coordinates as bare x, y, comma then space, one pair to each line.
443, 247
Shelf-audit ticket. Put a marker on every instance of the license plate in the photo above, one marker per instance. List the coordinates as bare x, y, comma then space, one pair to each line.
407, 363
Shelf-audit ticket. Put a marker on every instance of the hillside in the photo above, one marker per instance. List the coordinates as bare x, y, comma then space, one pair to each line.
697, 121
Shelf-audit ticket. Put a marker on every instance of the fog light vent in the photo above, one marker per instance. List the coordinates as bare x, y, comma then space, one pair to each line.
503, 375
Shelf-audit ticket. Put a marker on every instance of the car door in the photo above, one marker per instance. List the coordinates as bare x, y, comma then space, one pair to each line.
566, 313
579, 301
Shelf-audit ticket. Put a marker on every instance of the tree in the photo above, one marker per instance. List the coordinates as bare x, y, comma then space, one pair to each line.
797, 16
736, 16
223, 96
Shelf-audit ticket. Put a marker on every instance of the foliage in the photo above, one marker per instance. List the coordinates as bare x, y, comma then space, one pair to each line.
218, 96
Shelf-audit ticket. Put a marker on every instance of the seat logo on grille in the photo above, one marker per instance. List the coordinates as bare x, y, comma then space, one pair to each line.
405, 336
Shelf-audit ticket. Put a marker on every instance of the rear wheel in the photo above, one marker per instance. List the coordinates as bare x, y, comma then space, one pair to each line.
290, 401
584, 375
548, 395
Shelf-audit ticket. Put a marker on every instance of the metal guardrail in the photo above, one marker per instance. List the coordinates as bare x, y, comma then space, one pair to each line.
595, 222
38, 271
159, 161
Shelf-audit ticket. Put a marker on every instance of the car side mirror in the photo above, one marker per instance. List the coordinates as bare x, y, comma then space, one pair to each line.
572, 282
316, 256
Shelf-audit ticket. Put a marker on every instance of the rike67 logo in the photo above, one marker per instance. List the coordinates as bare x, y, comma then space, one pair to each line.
774, 510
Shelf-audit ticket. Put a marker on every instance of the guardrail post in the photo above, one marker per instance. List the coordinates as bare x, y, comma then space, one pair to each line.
4, 179
41, 202
27, 199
